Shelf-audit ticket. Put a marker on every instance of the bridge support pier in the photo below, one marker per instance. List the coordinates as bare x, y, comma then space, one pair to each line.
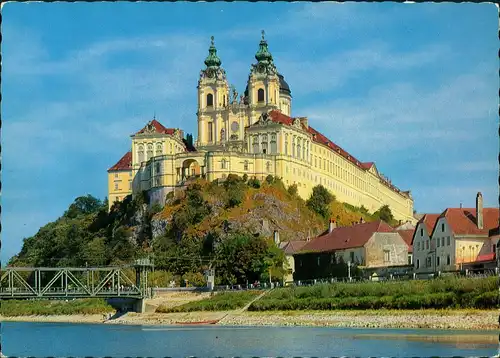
140, 306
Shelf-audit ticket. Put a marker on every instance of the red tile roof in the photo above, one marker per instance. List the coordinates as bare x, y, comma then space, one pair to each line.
486, 257
278, 117
462, 221
158, 128
125, 163
407, 236
346, 237
291, 247
429, 220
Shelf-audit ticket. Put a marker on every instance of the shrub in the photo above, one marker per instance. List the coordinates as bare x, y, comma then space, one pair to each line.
292, 190
254, 183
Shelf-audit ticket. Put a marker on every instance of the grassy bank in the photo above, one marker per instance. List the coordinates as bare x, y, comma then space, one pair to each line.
224, 301
11, 308
457, 293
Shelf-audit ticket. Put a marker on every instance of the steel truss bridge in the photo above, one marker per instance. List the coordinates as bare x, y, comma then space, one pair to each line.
75, 282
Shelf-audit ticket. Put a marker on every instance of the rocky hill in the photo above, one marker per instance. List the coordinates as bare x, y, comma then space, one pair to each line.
226, 224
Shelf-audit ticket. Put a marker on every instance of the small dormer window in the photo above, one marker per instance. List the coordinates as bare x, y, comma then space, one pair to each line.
442, 227
422, 232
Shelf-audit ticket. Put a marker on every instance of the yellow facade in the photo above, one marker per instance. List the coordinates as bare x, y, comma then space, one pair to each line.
119, 185
253, 134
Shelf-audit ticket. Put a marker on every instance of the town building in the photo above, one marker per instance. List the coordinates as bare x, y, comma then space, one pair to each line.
455, 238
255, 134
120, 179
370, 247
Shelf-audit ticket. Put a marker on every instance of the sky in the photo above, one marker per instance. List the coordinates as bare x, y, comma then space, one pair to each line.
412, 87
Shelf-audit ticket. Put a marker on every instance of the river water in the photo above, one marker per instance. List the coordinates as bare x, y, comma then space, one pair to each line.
98, 340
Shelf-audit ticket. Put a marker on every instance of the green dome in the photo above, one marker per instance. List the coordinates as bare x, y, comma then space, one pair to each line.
263, 54
212, 60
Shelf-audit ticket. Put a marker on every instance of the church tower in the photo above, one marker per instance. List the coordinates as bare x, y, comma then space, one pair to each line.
263, 89
213, 92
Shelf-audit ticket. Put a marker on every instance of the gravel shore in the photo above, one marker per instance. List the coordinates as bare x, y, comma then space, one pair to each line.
433, 319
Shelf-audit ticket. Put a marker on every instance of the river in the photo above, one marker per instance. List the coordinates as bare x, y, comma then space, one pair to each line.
98, 340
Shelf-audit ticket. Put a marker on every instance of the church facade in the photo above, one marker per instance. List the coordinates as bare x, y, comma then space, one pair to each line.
253, 134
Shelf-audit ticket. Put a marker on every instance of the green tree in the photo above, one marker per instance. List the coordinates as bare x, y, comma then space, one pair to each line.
83, 205
385, 214
292, 190
320, 200
269, 179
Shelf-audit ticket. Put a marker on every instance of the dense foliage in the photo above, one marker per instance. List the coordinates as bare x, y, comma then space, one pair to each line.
218, 302
197, 232
439, 293
11, 308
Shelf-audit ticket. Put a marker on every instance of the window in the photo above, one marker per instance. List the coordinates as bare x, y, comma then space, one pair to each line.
159, 149
260, 95
387, 256
410, 259
448, 260
140, 154
210, 100
421, 232
427, 244
210, 131
428, 262
438, 261
352, 256
418, 263
245, 165
442, 241
150, 151
223, 164
442, 227
116, 175
438, 242
268, 166
448, 241
116, 186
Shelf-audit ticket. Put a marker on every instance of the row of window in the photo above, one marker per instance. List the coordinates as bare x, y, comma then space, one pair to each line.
117, 175
129, 185
440, 242
210, 98
224, 164
439, 262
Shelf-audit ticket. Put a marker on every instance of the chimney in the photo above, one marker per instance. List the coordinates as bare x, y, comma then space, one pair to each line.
332, 225
276, 238
479, 210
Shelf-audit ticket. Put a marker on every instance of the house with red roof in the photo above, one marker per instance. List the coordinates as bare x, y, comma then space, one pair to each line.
120, 179
256, 135
368, 246
456, 239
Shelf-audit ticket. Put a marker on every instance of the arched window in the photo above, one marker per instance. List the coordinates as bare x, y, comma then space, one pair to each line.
159, 149
150, 151
274, 147
245, 165
264, 144
223, 164
210, 100
140, 154
256, 144
260, 95
268, 166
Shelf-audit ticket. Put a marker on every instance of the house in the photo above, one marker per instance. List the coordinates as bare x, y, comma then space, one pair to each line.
459, 237
369, 246
421, 241
289, 248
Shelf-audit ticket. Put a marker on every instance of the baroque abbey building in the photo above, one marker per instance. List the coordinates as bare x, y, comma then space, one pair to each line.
253, 134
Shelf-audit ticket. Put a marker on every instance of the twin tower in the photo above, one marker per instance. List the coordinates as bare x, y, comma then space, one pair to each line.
222, 114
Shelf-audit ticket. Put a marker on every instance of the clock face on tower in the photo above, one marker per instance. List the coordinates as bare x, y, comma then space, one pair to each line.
235, 126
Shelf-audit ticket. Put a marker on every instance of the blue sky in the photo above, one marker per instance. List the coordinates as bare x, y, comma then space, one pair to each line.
412, 87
